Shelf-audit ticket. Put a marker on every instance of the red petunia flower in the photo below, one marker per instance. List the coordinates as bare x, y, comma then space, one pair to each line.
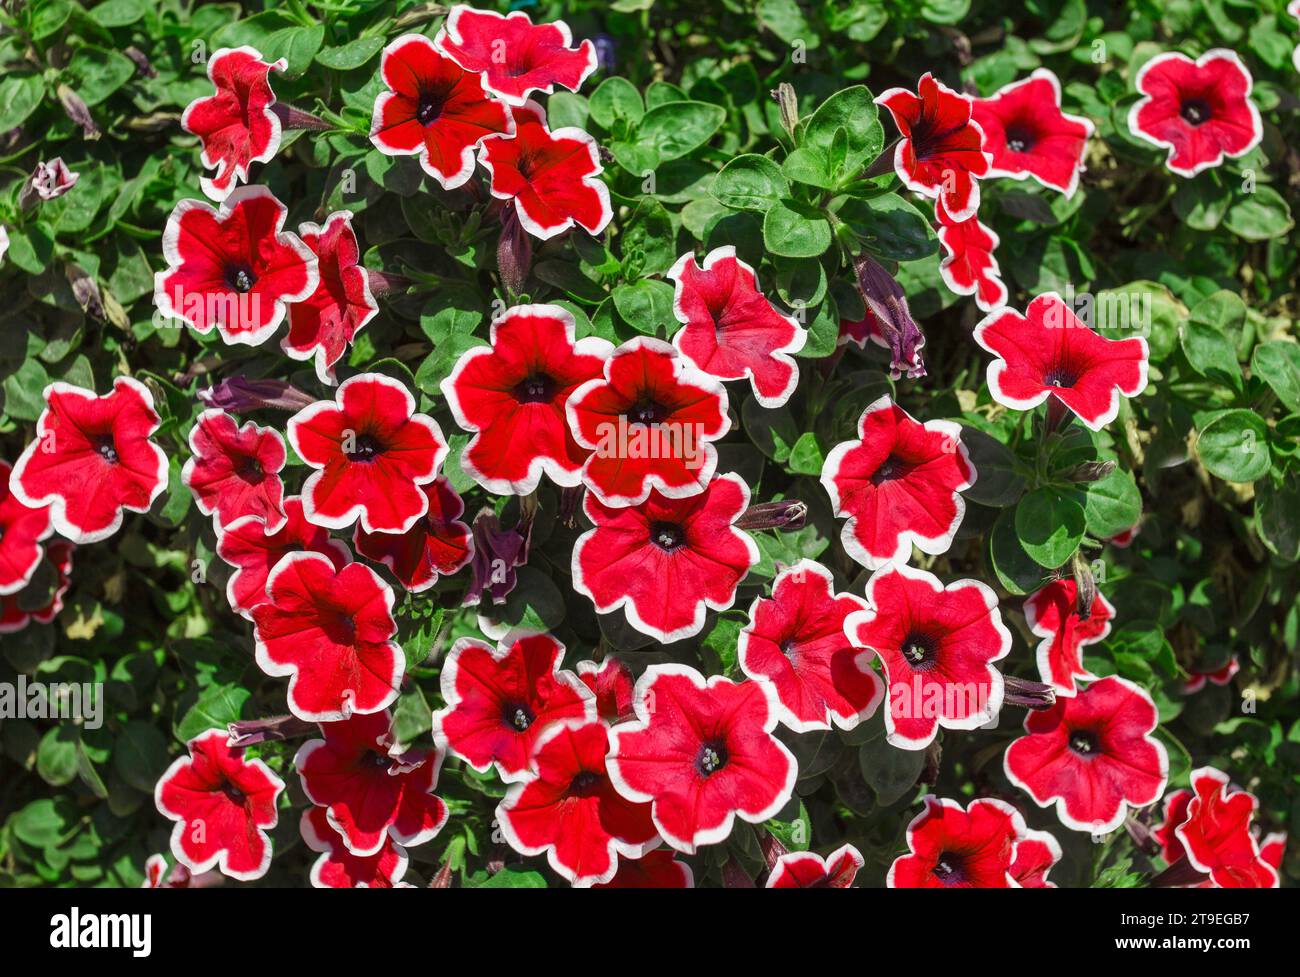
1200, 110
939, 154
1216, 836
1092, 755
92, 459
1027, 134
330, 632
649, 423
500, 701
702, 752
236, 125
16, 612
937, 645
665, 561
1052, 613
1220, 676
951, 847
1174, 814
1048, 352
22, 530
1273, 849
613, 685
512, 395
235, 268
370, 790
808, 870
435, 108
553, 176
322, 325
657, 870
969, 266
730, 330
1036, 853
246, 545
223, 804
372, 453
899, 484
795, 647
235, 471
338, 868
1125, 539
437, 545
862, 331
566, 807
514, 57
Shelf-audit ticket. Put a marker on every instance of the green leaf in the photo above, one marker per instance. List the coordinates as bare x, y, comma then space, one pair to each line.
1234, 446
806, 457
216, 708
513, 877
352, 55
1260, 216
96, 73
118, 13
297, 45
43, 822
1277, 514
676, 128
796, 230
843, 135
140, 755
614, 99
997, 483
19, 96
1278, 364
647, 306
1049, 526
56, 757
890, 227
750, 182
1016, 569
1209, 337
1112, 504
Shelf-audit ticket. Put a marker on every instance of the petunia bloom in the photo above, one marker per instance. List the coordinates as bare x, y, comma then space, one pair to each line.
236, 125
969, 265
1199, 110
437, 545
808, 870
794, 645
937, 645
330, 632
254, 552
1052, 613
323, 324
566, 807
499, 701
512, 396
1028, 135
730, 329
1092, 755
1215, 835
22, 530
223, 804
1219, 676
862, 331
49, 181
1049, 352
649, 423
702, 753
21, 609
235, 471
939, 155
613, 685
899, 484
435, 108
370, 791
372, 452
514, 57
92, 459
666, 561
1036, 853
235, 268
658, 869
951, 847
338, 868
552, 176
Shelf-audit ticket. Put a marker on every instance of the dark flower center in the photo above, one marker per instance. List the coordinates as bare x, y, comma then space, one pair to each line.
711, 758
249, 469
429, 108
1083, 742
535, 389
341, 629
527, 164
789, 648
890, 469
107, 448
1020, 139
584, 784
1195, 111
1061, 377
667, 536
381, 760
240, 278
518, 716
646, 412
364, 448
920, 652
233, 793
950, 869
